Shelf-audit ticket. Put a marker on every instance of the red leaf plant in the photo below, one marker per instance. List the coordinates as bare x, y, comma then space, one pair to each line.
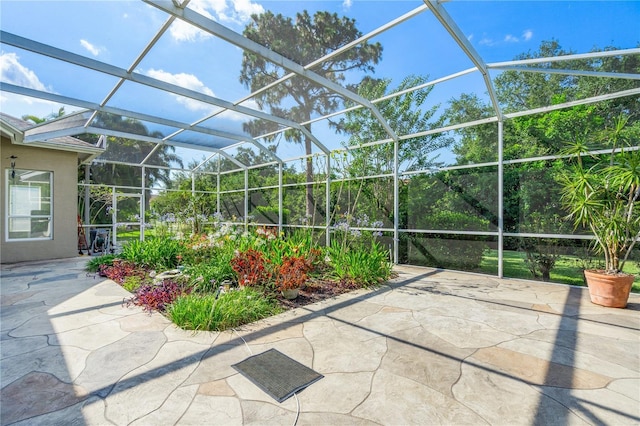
292, 273
156, 297
121, 269
250, 267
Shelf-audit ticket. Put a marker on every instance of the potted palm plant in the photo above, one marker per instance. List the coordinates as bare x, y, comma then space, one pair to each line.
602, 193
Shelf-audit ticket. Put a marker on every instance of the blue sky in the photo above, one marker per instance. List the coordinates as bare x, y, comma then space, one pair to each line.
116, 32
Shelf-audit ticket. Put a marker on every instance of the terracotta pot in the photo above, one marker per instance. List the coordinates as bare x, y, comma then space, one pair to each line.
290, 294
607, 289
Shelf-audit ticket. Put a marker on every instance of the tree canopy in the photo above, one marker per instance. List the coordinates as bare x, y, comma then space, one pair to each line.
303, 40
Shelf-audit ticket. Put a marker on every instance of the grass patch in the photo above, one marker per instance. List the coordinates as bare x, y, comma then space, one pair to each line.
566, 271
93, 264
232, 309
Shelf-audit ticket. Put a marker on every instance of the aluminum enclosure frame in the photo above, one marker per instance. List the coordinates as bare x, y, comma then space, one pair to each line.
83, 122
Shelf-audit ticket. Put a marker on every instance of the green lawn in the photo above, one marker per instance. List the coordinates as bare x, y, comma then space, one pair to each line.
127, 235
566, 271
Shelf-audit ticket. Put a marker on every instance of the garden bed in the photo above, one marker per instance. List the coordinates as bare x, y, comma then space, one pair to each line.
232, 277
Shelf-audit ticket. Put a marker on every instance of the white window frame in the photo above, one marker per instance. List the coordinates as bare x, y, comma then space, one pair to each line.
10, 190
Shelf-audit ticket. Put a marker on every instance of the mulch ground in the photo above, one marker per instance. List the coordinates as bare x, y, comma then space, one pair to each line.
315, 290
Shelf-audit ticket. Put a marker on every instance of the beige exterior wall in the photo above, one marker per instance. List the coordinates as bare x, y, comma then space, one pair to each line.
63, 164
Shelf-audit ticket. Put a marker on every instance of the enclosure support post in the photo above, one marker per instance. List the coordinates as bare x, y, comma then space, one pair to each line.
218, 188
246, 200
280, 216
500, 199
396, 202
87, 202
114, 216
327, 207
143, 202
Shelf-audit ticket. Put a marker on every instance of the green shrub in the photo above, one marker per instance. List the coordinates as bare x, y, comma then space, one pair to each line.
206, 276
158, 253
455, 221
269, 215
359, 266
93, 265
462, 252
451, 251
232, 309
132, 283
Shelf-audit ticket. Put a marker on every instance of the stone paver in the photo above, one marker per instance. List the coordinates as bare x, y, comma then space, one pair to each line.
429, 347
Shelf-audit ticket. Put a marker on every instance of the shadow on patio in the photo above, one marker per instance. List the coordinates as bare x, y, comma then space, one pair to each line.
431, 347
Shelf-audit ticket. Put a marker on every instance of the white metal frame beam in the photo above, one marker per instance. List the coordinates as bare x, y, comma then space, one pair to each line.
218, 30
456, 33
92, 64
131, 114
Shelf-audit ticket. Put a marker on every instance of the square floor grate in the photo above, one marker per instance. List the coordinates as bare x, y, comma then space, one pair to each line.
277, 374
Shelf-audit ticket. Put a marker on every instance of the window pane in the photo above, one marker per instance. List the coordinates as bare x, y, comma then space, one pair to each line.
29, 212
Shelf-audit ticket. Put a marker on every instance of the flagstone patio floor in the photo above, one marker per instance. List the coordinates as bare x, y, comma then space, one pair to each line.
429, 347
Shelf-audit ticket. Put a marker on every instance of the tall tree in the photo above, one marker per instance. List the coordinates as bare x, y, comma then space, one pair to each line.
130, 151
304, 40
405, 114
531, 198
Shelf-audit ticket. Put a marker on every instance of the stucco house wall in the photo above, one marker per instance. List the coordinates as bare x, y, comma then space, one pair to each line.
60, 156
64, 165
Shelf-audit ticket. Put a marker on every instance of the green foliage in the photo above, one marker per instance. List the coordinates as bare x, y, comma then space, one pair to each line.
269, 214
229, 310
405, 114
207, 275
132, 282
453, 220
359, 266
267, 262
158, 253
355, 257
94, 263
462, 252
303, 41
449, 251
603, 193
568, 269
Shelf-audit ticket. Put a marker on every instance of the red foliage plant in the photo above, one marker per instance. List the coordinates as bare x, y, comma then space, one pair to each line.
250, 268
121, 269
156, 297
292, 273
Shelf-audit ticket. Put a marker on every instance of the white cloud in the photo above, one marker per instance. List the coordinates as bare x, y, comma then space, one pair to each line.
95, 51
486, 41
182, 31
188, 81
14, 72
526, 36
244, 9
346, 4
236, 12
